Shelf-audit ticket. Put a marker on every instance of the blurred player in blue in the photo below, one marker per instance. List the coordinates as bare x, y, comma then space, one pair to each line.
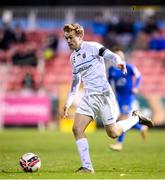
126, 87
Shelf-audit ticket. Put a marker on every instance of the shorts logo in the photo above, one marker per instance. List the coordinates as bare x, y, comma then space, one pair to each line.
110, 119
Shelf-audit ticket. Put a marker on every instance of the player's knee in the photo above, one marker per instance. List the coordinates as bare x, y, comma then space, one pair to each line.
112, 135
76, 130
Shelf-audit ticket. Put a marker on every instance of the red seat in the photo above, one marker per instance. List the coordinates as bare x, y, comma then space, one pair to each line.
152, 69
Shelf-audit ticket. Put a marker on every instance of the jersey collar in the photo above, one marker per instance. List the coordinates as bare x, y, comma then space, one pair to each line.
79, 47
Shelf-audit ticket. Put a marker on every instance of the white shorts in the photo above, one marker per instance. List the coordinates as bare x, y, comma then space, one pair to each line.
104, 107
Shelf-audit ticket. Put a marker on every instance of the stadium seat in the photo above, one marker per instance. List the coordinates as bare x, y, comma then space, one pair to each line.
151, 64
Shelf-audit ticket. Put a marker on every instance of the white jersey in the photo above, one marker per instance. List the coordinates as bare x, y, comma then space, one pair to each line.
88, 65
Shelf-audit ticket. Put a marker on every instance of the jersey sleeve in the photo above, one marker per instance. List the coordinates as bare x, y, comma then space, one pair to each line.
76, 80
114, 58
98, 49
137, 76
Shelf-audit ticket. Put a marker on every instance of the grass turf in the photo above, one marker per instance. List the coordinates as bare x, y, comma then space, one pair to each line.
59, 155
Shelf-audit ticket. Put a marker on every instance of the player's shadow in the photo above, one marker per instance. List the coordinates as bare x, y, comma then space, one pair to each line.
22, 172
107, 170
103, 170
53, 171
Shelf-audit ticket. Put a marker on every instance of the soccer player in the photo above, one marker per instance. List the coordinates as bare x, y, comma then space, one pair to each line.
126, 87
87, 61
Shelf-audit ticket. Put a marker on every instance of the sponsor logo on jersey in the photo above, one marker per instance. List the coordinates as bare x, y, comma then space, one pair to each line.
84, 68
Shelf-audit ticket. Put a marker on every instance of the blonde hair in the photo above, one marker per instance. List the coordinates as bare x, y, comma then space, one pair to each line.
79, 30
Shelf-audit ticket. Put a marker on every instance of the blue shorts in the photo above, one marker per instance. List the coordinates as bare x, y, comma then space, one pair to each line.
125, 103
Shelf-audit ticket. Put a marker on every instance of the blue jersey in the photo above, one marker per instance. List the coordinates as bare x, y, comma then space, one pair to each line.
123, 85
124, 82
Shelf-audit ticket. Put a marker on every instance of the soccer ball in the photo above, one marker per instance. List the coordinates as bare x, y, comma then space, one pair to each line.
30, 162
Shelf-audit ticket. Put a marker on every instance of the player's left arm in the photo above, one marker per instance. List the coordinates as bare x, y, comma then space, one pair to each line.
109, 55
137, 80
115, 59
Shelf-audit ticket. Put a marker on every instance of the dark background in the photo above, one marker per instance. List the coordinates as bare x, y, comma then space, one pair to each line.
79, 2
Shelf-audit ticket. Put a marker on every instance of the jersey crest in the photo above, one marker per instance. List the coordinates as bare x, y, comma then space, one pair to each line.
84, 55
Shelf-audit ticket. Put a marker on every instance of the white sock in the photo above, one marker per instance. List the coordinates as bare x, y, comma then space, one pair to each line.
128, 123
83, 149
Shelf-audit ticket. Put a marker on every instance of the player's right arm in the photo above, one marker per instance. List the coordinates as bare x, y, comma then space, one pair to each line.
76, 80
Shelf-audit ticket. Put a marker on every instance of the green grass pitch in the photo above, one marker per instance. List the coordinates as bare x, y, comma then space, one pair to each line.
59, 155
